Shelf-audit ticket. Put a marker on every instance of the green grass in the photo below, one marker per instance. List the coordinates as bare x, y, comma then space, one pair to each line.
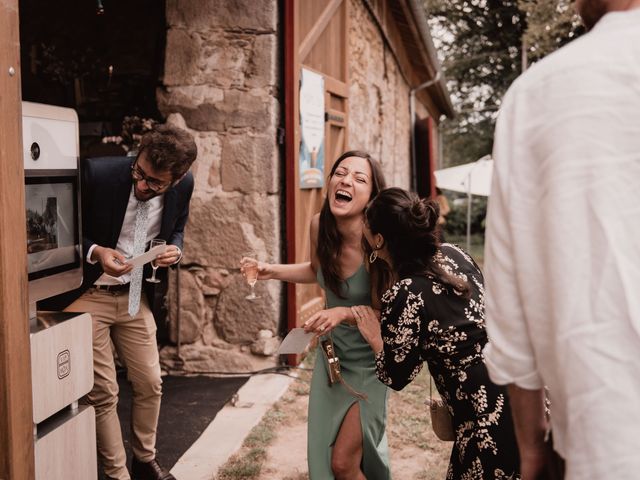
247, 466
247, 463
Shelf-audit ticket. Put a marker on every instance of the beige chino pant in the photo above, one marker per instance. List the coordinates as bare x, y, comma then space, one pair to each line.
135, 342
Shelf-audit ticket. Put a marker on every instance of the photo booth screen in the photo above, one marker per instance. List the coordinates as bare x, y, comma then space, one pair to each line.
52, 226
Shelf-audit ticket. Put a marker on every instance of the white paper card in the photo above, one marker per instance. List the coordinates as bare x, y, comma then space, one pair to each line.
147, 256
295, 342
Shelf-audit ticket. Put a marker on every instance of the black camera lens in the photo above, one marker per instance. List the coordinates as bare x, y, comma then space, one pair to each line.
35, 151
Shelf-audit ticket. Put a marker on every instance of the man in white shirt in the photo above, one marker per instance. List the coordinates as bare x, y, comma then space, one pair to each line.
127, 202
562, 258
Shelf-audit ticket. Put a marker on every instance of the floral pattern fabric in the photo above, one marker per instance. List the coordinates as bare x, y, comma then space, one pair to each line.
424, 320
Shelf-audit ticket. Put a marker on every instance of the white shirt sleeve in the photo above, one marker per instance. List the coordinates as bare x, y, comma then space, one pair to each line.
509, 354
91, 249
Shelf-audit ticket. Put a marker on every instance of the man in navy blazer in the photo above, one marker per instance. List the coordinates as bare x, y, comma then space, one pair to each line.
103, 226
126, 203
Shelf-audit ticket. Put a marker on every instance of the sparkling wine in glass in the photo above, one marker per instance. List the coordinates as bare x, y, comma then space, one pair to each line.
154, 243
249, 265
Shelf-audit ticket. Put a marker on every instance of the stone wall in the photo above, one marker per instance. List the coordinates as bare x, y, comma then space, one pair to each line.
221, 83
379, 120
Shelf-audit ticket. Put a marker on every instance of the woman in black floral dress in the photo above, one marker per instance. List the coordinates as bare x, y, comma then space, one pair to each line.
434, 313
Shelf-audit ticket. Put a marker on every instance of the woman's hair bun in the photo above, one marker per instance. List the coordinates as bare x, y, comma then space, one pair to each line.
424, 213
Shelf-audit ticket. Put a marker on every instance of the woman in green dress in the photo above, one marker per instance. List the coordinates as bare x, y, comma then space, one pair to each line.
346, 430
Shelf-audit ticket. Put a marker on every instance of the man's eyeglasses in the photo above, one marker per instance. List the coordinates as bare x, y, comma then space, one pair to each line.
154, 184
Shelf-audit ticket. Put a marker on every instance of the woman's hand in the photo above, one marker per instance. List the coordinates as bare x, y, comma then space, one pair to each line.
369, 326
265, 270
324, 321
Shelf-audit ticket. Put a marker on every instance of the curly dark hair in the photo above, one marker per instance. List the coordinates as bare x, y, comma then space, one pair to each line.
169, 148
409, 226
329, 238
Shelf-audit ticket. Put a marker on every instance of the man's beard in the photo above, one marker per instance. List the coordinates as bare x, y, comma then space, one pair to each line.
144, 196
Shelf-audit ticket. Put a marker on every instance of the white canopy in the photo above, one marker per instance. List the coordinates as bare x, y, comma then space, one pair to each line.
472, 178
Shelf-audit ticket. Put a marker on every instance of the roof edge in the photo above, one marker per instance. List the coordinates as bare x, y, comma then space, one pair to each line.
419, 16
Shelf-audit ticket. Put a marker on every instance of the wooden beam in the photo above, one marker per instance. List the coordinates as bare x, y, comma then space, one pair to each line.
16, 417
339, 142
347, 78
291, 127
310, 40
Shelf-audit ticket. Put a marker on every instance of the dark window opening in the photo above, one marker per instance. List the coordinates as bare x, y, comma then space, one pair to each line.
105, 65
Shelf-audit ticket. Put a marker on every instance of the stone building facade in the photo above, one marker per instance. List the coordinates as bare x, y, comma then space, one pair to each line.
379, 99
222, 82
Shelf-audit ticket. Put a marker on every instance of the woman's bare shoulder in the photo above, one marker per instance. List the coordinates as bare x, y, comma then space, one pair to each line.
315, 222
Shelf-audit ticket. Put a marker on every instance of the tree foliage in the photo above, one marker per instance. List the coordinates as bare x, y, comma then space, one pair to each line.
484, 45
551, 24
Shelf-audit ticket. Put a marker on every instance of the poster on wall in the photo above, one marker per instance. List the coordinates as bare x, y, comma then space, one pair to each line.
312, 130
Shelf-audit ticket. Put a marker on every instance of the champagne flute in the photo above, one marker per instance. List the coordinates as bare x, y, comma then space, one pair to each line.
154, 243
249, 264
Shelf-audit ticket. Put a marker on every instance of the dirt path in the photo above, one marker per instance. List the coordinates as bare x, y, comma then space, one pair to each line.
287, 455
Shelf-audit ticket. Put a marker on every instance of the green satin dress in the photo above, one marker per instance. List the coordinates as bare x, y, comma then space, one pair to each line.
329, 405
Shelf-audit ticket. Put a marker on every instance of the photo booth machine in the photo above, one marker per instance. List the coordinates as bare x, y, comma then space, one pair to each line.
61, 343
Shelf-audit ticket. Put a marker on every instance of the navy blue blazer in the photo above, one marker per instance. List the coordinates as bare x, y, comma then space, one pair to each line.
106, 186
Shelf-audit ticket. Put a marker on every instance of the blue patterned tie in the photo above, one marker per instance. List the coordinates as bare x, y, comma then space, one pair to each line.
139, 242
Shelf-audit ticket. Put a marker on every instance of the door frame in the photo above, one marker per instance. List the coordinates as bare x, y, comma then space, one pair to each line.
17, 461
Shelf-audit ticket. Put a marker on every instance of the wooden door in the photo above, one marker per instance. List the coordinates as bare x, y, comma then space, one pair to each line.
315, 39
426, 138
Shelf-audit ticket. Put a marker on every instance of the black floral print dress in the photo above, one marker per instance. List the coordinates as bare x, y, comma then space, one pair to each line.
424, 320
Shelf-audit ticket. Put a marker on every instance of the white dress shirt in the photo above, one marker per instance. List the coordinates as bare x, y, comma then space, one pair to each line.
562, 258
125, 240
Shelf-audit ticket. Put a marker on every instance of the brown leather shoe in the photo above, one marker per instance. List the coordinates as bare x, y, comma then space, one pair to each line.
149, 471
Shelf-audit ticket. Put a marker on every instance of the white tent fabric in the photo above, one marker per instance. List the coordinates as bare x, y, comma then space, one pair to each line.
471, 178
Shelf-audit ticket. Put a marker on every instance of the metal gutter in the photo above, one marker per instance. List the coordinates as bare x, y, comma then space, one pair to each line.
419, 15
